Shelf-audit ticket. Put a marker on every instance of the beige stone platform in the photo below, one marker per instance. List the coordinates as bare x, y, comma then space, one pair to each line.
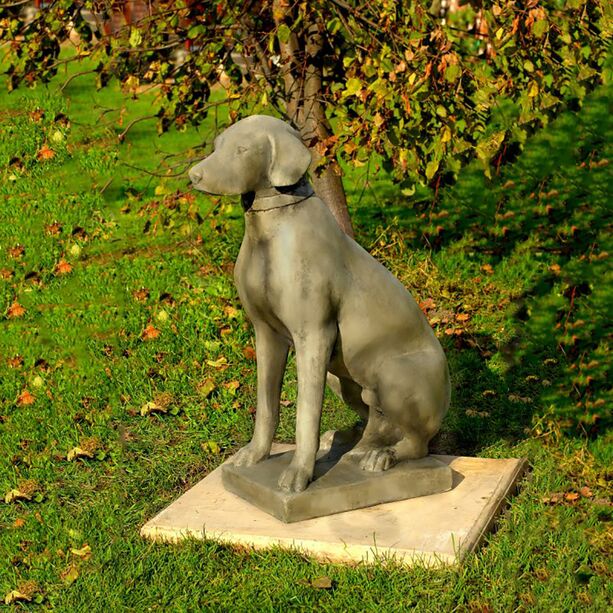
436, 529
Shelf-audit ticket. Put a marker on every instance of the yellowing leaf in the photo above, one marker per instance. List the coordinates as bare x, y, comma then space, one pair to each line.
431, 169
78, 452
533, 89
206, 388
85, 552
70, 575
219, 363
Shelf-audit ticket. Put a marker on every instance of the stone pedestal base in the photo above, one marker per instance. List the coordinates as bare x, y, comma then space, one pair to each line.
339, 484
431, 530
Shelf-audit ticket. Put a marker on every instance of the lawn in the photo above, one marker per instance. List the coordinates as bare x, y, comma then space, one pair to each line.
127, 370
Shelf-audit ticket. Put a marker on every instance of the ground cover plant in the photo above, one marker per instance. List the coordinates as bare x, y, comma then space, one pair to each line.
127, 368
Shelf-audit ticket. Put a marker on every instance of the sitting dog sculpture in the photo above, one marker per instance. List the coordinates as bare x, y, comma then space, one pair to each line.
303, 282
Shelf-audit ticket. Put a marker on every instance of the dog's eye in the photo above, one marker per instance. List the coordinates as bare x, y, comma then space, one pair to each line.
240, 150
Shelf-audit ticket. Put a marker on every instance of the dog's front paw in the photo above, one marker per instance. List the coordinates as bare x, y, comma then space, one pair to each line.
249, 455
295, 479
377, 460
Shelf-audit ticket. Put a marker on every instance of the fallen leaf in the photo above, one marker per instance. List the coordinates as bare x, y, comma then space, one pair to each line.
63, 267
25, 592
206, 387
150, 333
70, 574
232, 386
20, 522
15, 310
85, 552
487, 269
462, 317
54, 228
45, 153
427, 304
322, 583
6, 273
26, 490
152, 407
87, 448
211, 447
17, 251
225, 331
586, 492
553, 499
249, 352
230, 312
78, 452
571, 496
141, 294
220, 363
25, 399
15, 361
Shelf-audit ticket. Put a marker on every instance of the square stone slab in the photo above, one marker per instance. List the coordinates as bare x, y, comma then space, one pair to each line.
432, 530
339, 484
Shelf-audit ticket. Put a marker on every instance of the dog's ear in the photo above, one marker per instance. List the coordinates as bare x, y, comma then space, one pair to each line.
289, 157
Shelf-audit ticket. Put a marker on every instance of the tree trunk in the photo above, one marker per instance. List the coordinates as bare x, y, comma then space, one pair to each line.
304, 106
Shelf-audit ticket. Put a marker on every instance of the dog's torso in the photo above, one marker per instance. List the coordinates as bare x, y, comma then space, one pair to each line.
332, 279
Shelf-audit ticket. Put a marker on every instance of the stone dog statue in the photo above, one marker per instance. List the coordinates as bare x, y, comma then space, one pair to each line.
303, 282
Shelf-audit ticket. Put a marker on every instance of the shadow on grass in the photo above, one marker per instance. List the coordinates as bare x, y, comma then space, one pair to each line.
539, 233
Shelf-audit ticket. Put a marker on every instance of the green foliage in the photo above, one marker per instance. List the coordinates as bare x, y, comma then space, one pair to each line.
424, 93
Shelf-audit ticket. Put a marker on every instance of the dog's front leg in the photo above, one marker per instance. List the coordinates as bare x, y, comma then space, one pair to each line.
313, 350
271, 354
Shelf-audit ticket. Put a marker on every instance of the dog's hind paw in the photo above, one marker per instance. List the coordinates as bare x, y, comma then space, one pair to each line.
294, 479
377, 460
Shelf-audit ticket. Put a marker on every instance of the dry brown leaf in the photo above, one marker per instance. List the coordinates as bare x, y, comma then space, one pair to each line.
15, 310
54, 228
462, 317
586, 492
45, 153
20, 522
15, 362
571, 496
63, 267
487, 269
141, 294
150, 333
17, 251
249, 352
25, 399
5, 273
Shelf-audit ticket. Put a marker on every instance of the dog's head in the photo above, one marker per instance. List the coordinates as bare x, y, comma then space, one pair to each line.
255, 153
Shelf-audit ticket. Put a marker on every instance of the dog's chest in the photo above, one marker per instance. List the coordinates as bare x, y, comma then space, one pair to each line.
261, 276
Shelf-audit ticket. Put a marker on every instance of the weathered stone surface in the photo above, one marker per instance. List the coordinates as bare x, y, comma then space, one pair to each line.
338, 485
432, 530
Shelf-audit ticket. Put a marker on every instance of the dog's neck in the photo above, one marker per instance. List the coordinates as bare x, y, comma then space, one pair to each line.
277, 197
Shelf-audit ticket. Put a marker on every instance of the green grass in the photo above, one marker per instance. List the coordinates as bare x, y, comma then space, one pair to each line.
513, 273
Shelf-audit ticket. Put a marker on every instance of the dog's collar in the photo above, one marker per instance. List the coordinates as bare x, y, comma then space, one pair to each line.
277, 197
